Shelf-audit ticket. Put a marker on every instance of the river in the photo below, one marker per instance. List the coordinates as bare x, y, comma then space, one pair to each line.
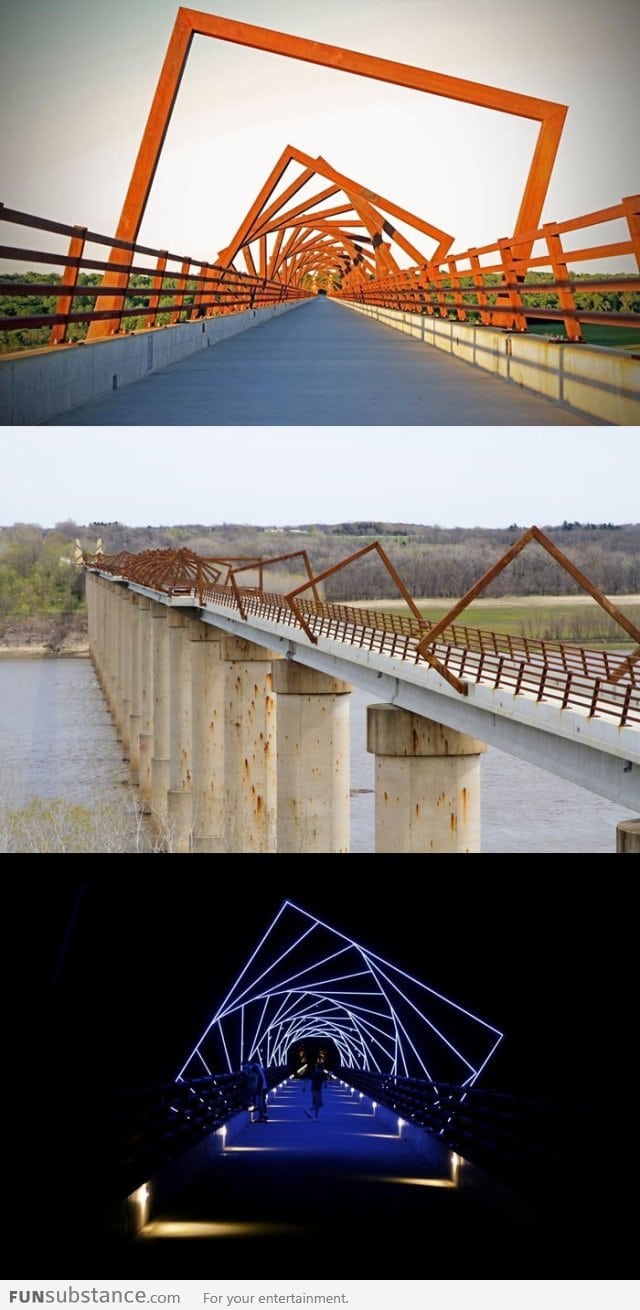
58, 742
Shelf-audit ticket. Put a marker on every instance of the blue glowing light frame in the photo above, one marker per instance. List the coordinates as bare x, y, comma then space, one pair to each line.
380, 1018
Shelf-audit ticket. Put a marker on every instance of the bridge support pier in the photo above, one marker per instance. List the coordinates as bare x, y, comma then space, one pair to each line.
207, 745
427, 784
250, 761
145, 738
179, 797
313, 767
135, 715
161, 760
628, 837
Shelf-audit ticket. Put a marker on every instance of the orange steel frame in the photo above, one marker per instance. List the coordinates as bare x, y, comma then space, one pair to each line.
191, 22
317, 242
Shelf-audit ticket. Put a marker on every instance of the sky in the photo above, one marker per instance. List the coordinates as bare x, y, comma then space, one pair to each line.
76, 81
276, 477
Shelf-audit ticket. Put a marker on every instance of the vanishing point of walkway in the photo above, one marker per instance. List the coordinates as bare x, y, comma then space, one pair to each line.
320, 364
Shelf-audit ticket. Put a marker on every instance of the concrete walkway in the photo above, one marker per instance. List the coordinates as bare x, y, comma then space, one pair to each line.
323, 365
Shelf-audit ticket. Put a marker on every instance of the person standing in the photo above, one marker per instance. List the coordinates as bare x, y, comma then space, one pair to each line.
261, 1093
255, 1087
318, 1077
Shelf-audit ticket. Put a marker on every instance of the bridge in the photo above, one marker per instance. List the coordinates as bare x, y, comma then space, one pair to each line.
525, 329
232, 703
416, 1133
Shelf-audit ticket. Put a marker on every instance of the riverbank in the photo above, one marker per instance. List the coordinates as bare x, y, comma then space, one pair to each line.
44, 636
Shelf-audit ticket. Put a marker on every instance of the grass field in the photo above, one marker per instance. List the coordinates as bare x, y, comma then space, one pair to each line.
595, 334
547, 618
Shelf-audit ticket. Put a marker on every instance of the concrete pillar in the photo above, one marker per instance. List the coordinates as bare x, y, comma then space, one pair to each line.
427, 784
179, 799
146, 705
208, 674
313, 761
160, 757
249, 747
135, 715
91, 601
628, 837
111, 648
124, 669
100, 650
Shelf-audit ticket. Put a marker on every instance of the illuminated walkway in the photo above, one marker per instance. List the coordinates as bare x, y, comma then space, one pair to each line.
320, 364
342, 1196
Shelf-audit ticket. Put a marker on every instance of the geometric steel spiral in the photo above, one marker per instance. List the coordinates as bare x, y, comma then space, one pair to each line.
308, 980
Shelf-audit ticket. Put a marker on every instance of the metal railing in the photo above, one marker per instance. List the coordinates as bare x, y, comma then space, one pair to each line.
496, 284
492, 285
597, 683
120, 1139
175, 288
540, 1145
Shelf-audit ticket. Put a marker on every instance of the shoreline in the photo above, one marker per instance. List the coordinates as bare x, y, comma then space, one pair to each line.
44, 652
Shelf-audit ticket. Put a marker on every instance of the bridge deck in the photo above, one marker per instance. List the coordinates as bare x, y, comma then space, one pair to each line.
320, 364
345, 1196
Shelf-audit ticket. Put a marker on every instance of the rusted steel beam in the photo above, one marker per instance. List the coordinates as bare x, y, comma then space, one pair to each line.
69, 281
531, 534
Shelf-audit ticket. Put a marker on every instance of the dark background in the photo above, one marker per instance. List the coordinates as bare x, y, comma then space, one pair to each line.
114, 976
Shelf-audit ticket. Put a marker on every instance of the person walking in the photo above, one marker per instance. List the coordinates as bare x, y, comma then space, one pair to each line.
318, 1078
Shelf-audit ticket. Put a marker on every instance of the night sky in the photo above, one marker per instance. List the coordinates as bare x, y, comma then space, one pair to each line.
113, 977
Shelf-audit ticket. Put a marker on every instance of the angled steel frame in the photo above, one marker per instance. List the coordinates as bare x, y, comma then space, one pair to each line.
192, 22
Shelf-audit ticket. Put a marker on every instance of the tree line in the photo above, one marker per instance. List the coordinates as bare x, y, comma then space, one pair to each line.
140, 287
38, 573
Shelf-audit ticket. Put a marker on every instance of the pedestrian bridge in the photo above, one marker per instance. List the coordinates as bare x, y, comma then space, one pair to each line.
232, 705
527, 329
407, 1145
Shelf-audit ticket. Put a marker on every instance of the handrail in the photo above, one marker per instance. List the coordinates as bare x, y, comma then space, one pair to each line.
543, 1146
490, 285
496, 292
123, 1137
177, 288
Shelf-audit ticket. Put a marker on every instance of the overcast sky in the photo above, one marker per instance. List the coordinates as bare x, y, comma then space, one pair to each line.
76, 82
77, 78
451, 476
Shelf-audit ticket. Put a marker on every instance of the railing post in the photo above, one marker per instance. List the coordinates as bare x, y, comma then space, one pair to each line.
478, 282
180, 291
512, 271
560, 275
454, 276
631, 207
65, 303
156, 288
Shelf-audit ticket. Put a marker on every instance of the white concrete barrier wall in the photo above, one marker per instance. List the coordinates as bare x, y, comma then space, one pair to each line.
40, 384
595, 381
